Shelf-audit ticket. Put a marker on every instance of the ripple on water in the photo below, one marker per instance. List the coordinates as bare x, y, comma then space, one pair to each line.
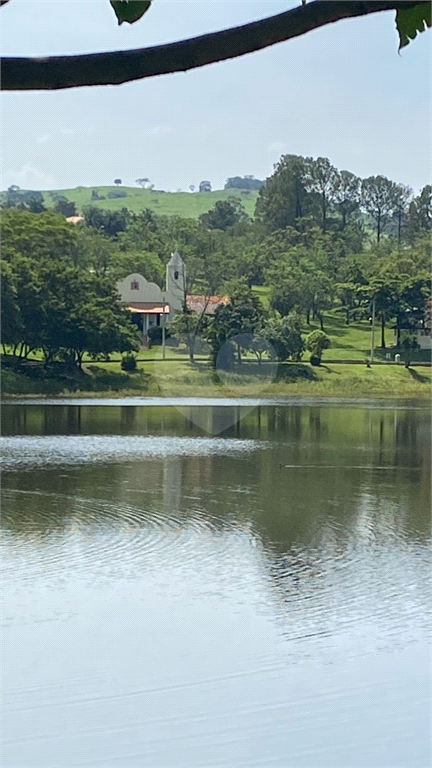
36, 452
100, 538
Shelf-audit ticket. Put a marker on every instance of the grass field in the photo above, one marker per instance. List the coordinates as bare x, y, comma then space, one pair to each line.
339, 374
172, 378
184, 204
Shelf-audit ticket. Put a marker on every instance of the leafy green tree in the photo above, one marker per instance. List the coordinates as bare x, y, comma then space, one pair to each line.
243, 182
379, 198
26, 200
237, 321
420, 214
402, 196
110, 222
223, 215
96, 251
284, 198
65, 207
347, 196
323, 179
316, 343
284, 336
38, 235
81, 313
11, 323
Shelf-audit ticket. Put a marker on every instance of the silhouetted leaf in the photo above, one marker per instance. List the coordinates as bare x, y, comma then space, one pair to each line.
130, 10
410, 21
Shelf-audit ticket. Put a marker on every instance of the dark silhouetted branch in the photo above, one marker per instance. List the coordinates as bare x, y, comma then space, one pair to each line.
113, 68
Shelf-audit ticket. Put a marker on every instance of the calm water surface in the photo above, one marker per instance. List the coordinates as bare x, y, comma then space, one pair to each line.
219, 585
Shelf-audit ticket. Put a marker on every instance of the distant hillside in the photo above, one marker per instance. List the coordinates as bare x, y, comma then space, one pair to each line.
185, 204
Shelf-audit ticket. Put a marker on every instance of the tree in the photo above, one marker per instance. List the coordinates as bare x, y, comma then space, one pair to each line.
284, 337
347, 195
205, 186
283, 199
111, 222
11, 322
402, 196
125, 66
316, 343
420, 214
243, 182
323, 178
97, 252
37, 235
27, 200
236, 322
223, 215
379, 198
142, 182
117, 181
65, 207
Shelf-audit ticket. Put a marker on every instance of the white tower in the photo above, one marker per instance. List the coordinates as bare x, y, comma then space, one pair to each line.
175, 283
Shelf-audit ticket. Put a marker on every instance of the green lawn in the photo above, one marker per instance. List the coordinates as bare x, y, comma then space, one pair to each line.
172, 378
185, 204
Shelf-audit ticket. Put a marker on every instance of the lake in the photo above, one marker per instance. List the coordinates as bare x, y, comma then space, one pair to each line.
227, 584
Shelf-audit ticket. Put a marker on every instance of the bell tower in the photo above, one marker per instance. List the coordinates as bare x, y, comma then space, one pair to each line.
175, 282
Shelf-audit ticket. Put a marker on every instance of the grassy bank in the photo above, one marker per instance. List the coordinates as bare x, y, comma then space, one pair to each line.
179, 378
342, 374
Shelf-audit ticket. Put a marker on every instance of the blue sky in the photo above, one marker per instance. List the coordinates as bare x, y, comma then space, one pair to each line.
341, 92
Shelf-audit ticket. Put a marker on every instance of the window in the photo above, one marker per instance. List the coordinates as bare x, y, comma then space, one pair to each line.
176, 275
134, 285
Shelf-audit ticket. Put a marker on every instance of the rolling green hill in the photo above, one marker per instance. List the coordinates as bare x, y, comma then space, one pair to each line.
185, 204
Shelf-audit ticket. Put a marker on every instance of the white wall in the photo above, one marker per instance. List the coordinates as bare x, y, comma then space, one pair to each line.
146, 292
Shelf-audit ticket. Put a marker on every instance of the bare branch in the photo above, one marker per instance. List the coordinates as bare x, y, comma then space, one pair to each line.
113, 68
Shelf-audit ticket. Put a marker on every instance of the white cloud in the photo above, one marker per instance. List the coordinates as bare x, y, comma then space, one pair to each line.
44, 138
67, 131
28, 178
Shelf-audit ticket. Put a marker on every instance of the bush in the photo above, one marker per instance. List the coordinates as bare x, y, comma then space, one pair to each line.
315, 360
128, 363
117, 193
155, 335
316, 343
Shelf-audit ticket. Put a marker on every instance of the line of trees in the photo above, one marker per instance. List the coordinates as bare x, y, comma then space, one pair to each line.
321, 239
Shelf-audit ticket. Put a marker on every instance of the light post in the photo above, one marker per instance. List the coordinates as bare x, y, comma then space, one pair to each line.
373, 331
163, 327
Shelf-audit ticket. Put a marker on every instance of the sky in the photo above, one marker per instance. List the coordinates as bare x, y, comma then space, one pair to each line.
341, 92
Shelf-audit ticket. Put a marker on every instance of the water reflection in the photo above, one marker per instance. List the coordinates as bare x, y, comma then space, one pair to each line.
220, 594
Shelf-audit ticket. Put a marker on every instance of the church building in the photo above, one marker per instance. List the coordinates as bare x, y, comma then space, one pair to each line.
148, 303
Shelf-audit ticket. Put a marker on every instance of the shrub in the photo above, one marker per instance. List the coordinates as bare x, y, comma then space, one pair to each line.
117, 193
315, 360
128, 363
316, 343
155, 334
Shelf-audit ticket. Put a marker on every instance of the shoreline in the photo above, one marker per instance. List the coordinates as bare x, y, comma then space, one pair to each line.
170, 380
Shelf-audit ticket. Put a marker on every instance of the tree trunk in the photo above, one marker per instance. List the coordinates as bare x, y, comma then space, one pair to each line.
347, 316
308, 317
379, 227
320, 318
324, 212
383, 344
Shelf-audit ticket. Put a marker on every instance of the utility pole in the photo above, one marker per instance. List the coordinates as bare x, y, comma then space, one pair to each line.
373, 331
163, 327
